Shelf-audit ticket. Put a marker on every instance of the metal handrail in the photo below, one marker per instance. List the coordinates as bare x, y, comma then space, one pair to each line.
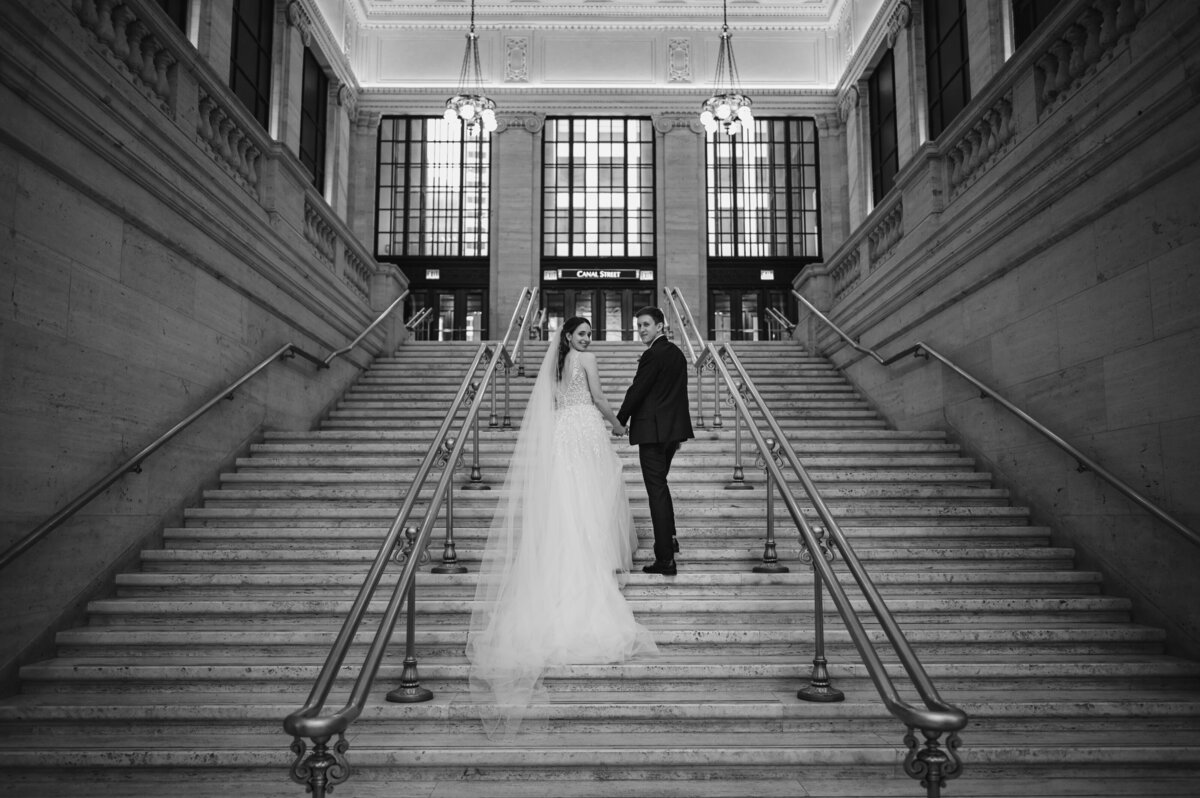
418, 318
681, 311
308, 721
922, 349
134, 463
777, 316
937, 717
350, 346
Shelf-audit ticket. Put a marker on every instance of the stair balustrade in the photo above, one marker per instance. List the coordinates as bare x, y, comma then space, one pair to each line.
923, 350
134, 463
321, 768
685, 324
926, 760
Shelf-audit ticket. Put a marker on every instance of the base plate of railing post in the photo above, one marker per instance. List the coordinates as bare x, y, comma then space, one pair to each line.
820, 690
410, 690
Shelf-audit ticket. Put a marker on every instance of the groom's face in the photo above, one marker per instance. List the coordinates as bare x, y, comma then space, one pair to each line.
648, 329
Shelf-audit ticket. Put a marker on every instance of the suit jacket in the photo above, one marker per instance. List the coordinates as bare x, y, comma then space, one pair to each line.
656, 404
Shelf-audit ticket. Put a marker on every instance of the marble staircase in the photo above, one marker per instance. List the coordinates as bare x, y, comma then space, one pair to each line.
179, 682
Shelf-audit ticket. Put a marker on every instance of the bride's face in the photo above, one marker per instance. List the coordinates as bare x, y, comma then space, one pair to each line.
580, 337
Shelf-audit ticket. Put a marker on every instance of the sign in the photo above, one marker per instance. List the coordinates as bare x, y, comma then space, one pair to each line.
598, 274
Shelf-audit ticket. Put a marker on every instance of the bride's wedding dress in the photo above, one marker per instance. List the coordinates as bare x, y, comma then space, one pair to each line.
560, 543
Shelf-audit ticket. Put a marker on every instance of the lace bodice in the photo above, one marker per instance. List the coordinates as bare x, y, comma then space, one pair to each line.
572, 389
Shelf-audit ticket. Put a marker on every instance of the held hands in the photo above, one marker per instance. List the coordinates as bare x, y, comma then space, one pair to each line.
619, 429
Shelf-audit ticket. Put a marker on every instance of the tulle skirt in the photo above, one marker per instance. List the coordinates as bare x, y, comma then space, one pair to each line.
561, 602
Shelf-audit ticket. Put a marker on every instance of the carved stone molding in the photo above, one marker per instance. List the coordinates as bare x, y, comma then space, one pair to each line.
346, 98
516, 59
367, 121
530, 121
679, 60
900, 20
830, 124
299, 18
667, 121
848, 102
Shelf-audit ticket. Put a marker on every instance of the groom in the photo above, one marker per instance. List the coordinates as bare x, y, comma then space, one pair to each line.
656, 410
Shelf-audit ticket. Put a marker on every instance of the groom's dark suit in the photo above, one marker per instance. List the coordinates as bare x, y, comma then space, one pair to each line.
656, 409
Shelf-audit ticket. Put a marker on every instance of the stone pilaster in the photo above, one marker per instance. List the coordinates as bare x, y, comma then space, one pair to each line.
342, 108
515, 223
854, 104
835, 188
361, 176
681, 214
908, 59
293, 31
214, 36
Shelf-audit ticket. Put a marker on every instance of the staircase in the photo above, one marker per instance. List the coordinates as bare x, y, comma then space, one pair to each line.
180, 681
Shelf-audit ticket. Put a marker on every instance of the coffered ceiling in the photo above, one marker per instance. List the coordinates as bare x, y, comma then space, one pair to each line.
600, 54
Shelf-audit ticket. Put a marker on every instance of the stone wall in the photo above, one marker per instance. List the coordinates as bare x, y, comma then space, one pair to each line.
1048, 243
156, 245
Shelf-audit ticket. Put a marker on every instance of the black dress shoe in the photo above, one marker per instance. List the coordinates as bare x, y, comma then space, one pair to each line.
675, 543
665, 568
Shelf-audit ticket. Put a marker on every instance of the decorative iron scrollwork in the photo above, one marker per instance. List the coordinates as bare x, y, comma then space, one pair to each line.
931, 763
323, 769
827, 552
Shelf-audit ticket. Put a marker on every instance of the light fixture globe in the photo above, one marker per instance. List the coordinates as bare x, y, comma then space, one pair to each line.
470, 106
728, 109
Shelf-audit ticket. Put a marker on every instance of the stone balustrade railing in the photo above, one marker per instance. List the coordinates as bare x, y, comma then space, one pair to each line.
984, 143
1080, 44
356, 273
126, 35
143, 45
319, 231
1055, 63
846, 274
230, 141
886, 232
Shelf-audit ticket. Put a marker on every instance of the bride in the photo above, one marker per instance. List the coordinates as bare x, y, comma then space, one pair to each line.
560, 544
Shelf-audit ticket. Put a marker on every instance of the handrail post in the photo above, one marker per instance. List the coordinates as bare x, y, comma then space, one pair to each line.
410, 690
476, 482
699, 421
494, 421
507, 394
770, 559
739, 477
450, 563
711, 368
819, 688
323, 769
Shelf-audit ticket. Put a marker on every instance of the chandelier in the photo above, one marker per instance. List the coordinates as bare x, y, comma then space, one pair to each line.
728, 109
469, 104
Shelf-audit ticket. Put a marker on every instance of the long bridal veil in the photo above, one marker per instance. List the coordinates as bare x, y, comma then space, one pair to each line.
560, 539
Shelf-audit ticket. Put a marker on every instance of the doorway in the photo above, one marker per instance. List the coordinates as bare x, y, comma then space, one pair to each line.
457, 314
739, 314
610, 308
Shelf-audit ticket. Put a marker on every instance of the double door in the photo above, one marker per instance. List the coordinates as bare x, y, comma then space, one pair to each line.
456, 314
739, 314
610, 309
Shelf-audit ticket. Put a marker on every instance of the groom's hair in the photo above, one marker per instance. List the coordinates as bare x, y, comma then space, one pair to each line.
653, 313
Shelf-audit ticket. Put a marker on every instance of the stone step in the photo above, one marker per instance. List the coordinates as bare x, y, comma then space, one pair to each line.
687, 612
714, 585
370, 536
671, 674
683, 493
114, 641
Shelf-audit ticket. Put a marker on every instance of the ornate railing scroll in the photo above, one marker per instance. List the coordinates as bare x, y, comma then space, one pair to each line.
322, 767
933, 760
922, 349
134, 463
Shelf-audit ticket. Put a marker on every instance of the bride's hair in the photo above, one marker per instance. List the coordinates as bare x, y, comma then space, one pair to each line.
564, 345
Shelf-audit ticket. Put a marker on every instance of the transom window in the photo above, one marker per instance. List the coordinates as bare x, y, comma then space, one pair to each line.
763, 191
598, 188
433, 189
